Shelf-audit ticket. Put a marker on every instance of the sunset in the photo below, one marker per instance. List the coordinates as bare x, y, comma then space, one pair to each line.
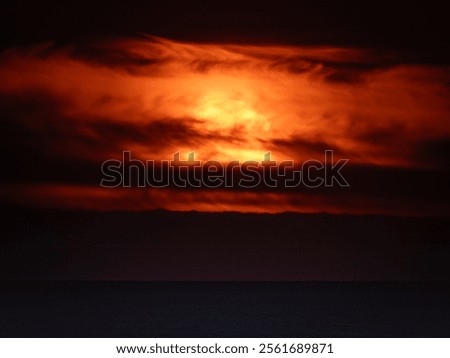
224, 169
81, 105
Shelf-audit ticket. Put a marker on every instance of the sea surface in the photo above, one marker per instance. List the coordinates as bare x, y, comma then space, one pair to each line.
224, 309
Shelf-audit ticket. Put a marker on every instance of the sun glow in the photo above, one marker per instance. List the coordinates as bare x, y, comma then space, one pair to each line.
157, 97
225, 113
234, 116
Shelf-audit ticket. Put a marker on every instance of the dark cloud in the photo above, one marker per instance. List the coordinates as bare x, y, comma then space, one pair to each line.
435, 153
303, 149
64, 110
41, 143
148, 55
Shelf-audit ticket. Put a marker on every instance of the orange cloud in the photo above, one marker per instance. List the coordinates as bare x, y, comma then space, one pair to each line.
85, 104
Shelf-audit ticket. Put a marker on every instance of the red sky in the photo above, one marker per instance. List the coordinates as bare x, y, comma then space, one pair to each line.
66, 109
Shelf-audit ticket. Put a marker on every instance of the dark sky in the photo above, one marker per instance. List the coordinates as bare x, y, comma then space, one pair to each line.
418, 27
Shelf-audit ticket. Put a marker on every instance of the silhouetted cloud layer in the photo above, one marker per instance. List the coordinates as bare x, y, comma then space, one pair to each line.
65, 110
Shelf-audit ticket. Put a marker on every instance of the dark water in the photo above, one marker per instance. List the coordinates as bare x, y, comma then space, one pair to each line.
224, 309
193, 246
